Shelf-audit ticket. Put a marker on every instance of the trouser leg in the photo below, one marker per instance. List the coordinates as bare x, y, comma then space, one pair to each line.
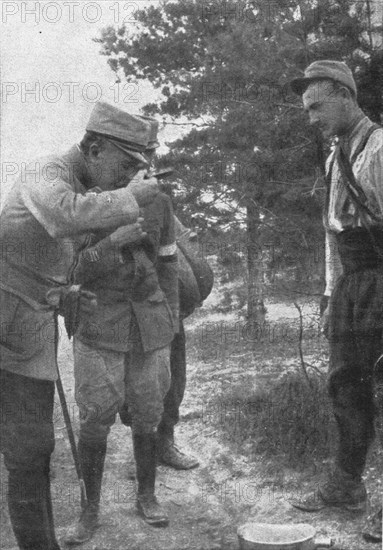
355, 334
176, 391
351, 398
174, 396
27, 442
352, 357
30, 509
99, 390
168, 452
356, 325
354, 414
147, 381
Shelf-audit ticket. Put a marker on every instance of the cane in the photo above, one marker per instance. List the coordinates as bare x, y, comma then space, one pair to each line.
68, 424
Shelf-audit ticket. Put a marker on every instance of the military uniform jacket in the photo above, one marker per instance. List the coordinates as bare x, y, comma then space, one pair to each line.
42, 224
139, 280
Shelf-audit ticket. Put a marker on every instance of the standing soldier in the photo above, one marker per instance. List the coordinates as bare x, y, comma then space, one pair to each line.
121, 350
354, 276
190, 297
193, 289
48, 208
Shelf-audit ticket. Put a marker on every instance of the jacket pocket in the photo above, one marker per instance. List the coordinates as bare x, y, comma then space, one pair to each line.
25, 332
155, 321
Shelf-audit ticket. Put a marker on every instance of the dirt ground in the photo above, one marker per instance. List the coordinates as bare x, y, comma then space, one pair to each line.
205, 505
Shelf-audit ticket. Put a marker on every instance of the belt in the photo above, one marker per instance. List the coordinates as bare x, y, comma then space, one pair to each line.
109, 296
360, 249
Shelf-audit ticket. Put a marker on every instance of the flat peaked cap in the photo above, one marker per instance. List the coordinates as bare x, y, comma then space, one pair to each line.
327, 69
154, 125
131, 133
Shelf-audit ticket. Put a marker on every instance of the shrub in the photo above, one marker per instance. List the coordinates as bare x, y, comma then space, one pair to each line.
286, 417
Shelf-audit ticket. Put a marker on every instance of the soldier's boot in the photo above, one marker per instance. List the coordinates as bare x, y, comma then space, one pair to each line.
126, 419
341, 490
147, 503
30, 509
169, 454
92, 460
372, 531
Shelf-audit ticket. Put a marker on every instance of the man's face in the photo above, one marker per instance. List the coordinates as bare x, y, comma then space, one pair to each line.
329, 111
110, 168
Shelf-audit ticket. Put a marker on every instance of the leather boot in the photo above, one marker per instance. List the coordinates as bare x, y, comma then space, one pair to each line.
169, 454
30, 509
92, 460
147, 504
341, 490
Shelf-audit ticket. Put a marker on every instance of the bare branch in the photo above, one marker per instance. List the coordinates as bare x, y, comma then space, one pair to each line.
303, 365
186, 124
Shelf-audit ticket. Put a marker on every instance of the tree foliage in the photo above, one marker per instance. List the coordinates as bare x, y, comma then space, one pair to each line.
224, 66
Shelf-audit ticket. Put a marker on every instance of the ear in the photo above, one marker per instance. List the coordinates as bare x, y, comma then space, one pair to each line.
94, 151
345, 93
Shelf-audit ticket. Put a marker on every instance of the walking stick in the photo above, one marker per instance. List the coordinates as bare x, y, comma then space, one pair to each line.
68, 424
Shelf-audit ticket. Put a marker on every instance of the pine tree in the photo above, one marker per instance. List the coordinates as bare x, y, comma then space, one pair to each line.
249, 160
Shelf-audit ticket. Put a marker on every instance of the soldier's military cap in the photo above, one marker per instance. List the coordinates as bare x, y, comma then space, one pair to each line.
325, 69
154, 125
129, 133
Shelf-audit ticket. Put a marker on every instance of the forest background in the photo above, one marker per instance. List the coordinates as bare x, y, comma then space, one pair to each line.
249, 170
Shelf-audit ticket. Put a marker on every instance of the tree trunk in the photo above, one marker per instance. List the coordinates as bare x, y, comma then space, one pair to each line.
255, 306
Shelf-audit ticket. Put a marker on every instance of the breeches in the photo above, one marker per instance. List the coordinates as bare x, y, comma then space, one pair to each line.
105, 380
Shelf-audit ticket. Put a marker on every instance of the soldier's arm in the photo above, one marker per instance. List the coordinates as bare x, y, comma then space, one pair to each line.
180, 230
372, 172
64, 213
167, 266
101, 258
96, 261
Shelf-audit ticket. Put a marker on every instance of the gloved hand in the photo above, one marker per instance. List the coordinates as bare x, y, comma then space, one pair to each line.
128, 234
72, 301
144, 189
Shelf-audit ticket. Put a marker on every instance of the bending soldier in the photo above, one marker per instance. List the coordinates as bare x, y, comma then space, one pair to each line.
42, 225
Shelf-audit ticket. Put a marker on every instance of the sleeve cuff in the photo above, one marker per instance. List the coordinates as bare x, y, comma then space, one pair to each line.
107, 252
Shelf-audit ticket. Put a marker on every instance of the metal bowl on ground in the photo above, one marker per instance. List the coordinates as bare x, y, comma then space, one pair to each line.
273, 536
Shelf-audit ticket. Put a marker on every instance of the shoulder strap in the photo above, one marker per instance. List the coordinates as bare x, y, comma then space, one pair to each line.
328, 187
357, 151
363, 142
354, 190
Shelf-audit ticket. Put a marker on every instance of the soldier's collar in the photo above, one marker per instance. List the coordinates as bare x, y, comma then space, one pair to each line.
80, 166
